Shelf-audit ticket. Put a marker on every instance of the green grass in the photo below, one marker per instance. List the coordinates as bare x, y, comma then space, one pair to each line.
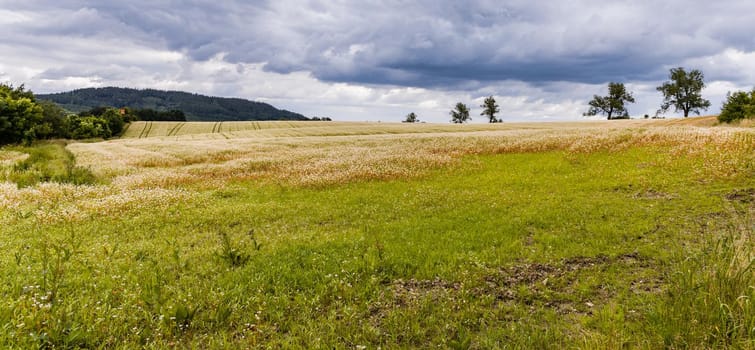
709, 302
48, 161
542, 250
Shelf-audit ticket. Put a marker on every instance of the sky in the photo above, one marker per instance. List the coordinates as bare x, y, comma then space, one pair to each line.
380, 60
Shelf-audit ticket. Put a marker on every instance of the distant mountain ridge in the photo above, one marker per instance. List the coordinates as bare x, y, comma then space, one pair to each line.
196, 107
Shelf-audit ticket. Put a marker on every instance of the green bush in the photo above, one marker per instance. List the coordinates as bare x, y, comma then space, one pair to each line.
739, 105
89, 127
114, 121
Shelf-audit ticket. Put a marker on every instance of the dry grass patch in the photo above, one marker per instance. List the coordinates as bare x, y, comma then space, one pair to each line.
52, 203
318, 160
8, 159
11, 157
147, 172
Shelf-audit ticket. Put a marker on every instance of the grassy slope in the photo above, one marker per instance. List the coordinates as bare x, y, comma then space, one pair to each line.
537, 250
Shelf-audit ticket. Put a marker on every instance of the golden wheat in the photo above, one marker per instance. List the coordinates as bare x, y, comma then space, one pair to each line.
307, 160
156, 171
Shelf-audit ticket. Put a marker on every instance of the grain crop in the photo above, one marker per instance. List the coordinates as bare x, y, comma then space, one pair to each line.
378, 155
635, 234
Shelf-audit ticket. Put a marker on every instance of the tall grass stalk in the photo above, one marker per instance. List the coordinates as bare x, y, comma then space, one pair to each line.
709, 303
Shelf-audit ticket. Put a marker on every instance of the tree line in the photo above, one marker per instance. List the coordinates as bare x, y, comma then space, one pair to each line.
196, 107
683, 92
460, 113
24, 118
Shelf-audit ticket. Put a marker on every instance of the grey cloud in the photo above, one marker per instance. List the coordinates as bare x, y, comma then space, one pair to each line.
555, 53
431, 43
105, 73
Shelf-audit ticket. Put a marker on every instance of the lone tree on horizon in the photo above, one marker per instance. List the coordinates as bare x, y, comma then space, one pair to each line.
411, 118
683, 92
460, 114
490, 108
613, 104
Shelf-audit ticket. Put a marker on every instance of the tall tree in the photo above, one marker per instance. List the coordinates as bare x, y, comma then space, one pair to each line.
20, 115
54, 121
489, 109
613, 104
460, 114
411, 118
683, 91
114, 120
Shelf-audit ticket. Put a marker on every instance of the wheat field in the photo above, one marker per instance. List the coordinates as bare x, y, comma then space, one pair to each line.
308, 153
315, 128
304, 155
358, 235
146, 171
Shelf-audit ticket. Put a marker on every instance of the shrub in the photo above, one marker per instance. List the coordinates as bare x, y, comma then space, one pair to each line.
739, 105
89, 127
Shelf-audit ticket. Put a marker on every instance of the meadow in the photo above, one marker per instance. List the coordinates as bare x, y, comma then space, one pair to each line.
625, 234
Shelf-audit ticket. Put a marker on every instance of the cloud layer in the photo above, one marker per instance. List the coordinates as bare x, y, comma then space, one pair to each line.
382, 59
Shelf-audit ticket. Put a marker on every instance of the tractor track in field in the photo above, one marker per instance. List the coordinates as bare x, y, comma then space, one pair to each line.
174, 130
179, 128
216, 127
149, 129
145, 130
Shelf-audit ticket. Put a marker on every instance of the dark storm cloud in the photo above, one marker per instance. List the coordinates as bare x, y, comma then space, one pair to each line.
427, 43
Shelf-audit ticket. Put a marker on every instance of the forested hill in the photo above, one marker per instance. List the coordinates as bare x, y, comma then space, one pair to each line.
196, 107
